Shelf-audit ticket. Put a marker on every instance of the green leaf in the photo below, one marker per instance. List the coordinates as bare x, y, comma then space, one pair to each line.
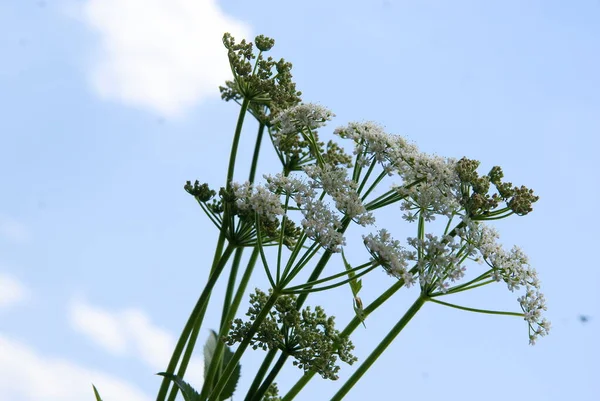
355, 285
209, 351
235, 375
96, 393
189, 393
209, 354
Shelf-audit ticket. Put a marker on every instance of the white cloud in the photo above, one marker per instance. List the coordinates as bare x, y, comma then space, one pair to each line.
13, 230
29, 376
12, 291
162, 55
130, 332
101, 326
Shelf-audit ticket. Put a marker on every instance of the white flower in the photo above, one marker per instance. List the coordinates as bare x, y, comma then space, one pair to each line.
309, 115
289, 186
513, 268
322, 225
258, 199
372, 142
438, 193
334, 181
390, 254
439, 263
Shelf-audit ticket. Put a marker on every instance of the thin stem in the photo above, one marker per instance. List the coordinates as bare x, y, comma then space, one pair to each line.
356, 321
262, 371
454, 291
259, 137
243, 345
485, 311
231, 282
366, 177
226, 322
387, 340
308, 287
272, 375
212, 370
349, 329
380, 177
236, 140
187, 355
196, 315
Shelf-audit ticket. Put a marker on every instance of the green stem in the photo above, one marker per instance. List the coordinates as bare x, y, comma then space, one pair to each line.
308, 287
355, 322
215, 363
318, 268
231, 282
187, 355
196, 315
387, 340
350, 327
366, 177
259, 137
272, 375
236, 141
380, 177
485, 311
225, 323
262, 371
243, 345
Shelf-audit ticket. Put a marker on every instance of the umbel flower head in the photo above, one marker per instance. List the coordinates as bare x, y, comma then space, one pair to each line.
267, 84
512, 268
308, 336
296, 139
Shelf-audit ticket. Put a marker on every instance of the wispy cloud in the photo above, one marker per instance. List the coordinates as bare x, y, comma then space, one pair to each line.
100, 326
12, 291
129, 332
30, 376
13, 230
161, 55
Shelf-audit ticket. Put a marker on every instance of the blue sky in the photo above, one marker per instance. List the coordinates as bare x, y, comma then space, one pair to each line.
108, 107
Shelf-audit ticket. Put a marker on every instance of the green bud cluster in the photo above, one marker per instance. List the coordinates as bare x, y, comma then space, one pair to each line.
272, 393
308, 336
267, 85
270, 230
476, 198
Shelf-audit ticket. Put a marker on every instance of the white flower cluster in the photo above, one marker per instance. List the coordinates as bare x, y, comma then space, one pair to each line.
309, 115
440, 262
439, 191
334, 181
372, 142
320, 223
390, 254
439, 188
292, 187
258, 199
514, 269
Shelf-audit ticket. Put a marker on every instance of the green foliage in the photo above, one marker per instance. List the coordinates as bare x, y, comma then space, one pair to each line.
188, 392
96, 393
476, 198
355, 286
272, 393
209, 353
308, 336
267, 84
